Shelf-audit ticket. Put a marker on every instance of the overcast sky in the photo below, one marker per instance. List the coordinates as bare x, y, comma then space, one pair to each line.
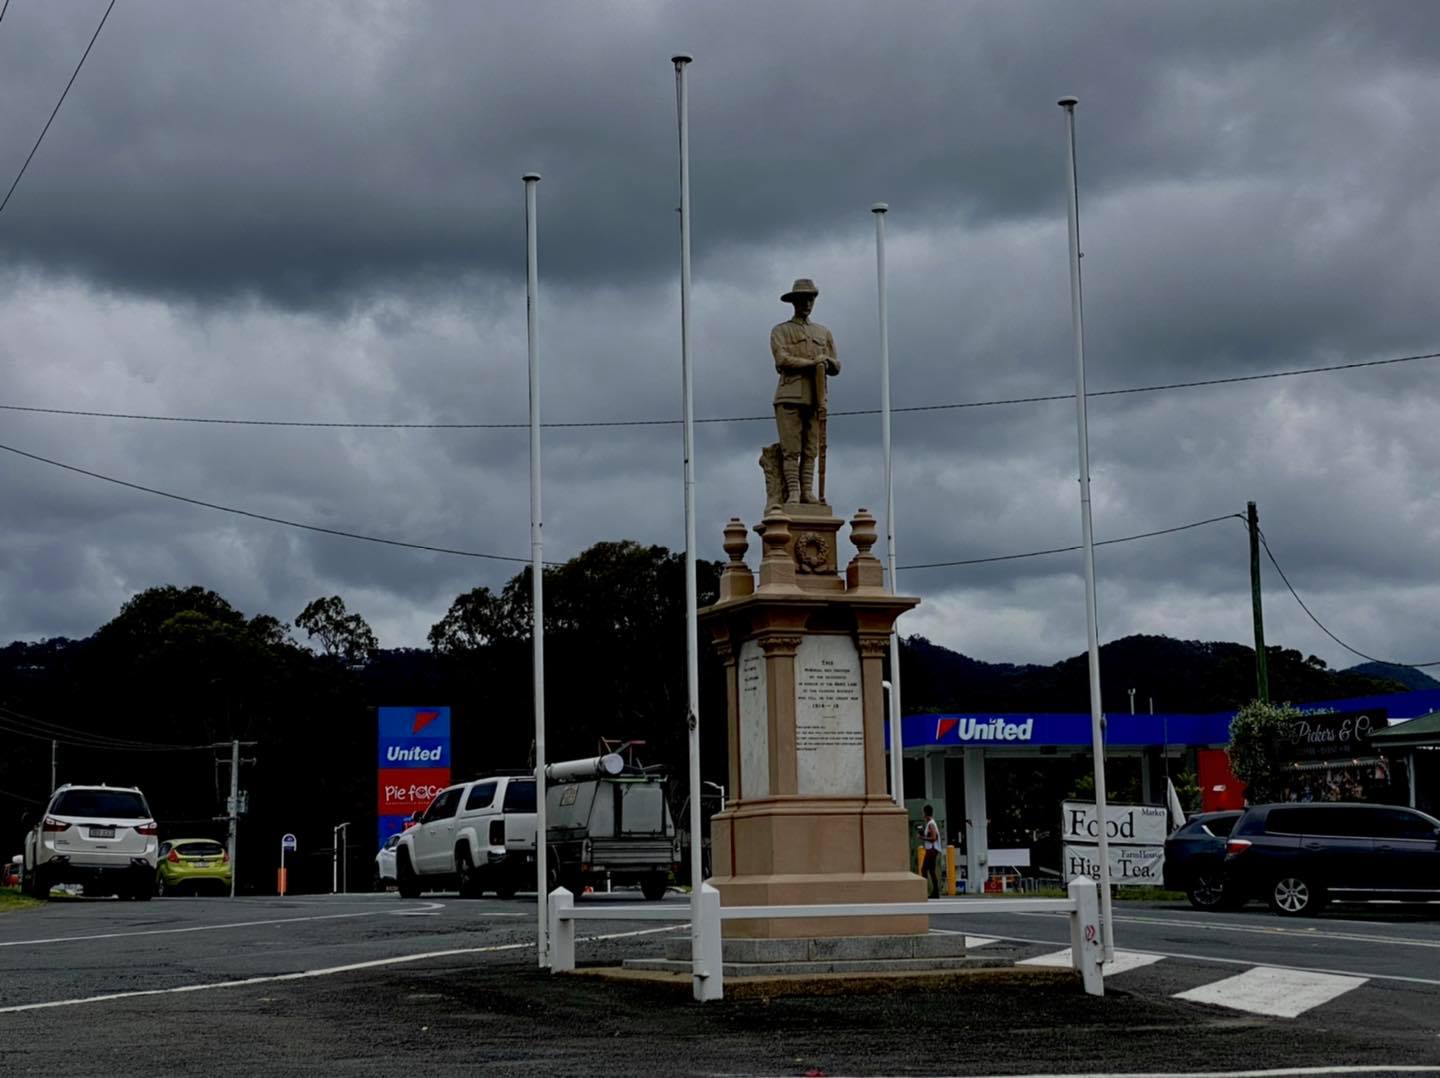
314, 211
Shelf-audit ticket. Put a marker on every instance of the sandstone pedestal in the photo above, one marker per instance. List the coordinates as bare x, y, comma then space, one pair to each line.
810, 820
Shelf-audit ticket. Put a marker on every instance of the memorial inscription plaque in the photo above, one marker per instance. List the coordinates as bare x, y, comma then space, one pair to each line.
829, 722
754, 723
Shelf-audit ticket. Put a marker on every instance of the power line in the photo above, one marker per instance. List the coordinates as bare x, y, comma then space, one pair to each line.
4, 9
1069, 549
259, 516
94, 746
12, 793
588, 424
55, 731
1269, 553
56, 110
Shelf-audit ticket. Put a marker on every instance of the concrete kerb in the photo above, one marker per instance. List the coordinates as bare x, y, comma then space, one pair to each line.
839, 984
707, 974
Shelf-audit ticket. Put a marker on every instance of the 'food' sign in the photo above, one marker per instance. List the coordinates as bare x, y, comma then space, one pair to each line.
1135, 834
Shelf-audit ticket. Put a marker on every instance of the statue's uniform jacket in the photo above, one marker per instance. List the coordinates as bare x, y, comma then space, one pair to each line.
795, 340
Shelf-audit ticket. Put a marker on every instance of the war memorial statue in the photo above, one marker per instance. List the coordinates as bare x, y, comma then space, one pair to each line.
804, 353
803, 638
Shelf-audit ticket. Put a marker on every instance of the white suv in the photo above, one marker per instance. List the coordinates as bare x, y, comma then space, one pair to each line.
101, 836
475, 836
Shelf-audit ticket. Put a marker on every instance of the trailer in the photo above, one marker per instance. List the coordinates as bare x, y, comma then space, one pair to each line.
607, 821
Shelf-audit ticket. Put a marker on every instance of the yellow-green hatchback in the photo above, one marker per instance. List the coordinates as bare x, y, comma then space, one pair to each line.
193, 866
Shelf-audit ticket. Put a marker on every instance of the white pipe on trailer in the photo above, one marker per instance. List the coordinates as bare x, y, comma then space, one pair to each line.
593, 767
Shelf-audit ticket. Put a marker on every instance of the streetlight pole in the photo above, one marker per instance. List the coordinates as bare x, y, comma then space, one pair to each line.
704, 981
537, 575
1097, 718
897, 748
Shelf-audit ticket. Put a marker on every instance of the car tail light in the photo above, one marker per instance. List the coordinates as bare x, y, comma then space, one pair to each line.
224, 857
1237, 845
151, 828
52, 824
497, 832
174, 857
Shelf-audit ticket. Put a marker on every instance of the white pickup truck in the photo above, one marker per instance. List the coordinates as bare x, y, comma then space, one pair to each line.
476, 836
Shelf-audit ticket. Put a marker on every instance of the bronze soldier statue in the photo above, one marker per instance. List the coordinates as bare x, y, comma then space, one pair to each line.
804, 355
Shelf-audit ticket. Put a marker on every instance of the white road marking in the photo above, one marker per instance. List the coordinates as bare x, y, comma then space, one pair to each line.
231, 924
1190, 957
1282, 993
970, 941
1123, 962
311, 973
1265, 929
1279, 1072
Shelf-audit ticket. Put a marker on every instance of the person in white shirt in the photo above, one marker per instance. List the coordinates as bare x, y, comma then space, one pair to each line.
930, 836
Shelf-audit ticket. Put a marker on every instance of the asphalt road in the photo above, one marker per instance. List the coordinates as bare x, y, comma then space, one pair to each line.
376, 984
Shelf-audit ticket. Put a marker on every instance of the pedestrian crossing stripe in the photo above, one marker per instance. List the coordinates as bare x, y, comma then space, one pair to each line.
1123, 962
1280, 993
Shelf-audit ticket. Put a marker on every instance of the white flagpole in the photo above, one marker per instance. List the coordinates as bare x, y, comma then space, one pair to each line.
1097, 719
537, 575
699, 974
897, 748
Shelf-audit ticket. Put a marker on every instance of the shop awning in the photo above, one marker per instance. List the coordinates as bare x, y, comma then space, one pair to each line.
1335, 765
1407, 735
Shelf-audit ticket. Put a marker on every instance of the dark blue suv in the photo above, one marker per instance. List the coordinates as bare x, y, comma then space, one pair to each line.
1299, 856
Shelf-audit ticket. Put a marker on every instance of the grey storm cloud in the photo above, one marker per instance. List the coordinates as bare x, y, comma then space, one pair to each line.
314, 211
301, 152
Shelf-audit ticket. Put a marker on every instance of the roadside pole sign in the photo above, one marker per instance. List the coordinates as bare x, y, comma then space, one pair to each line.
287, 843
1136, 835
413, 763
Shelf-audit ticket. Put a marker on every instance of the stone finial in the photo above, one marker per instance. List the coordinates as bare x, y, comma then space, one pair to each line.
777, 566
864, 571
736, 579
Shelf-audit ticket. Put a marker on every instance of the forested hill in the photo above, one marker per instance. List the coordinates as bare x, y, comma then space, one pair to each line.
1178, 675
1406, 675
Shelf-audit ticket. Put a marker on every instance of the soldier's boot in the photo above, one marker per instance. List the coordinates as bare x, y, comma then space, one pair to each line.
807, 484
792, 480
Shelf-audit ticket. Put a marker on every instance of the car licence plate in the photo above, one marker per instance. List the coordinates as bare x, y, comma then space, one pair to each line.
199, 864
102, 832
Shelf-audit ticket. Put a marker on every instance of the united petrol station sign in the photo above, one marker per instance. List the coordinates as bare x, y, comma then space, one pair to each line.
413, 763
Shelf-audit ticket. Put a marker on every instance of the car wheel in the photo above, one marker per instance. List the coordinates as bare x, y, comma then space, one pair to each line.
654, 886
469, 880
1207, 892
405, 879
1295, 896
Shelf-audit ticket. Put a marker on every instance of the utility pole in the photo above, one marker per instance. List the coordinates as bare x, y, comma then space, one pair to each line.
54, 763
1262, 671
232, 805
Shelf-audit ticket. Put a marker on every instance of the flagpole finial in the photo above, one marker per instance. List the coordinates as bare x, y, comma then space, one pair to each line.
529, 176
1068, 102
681, 58
880, 207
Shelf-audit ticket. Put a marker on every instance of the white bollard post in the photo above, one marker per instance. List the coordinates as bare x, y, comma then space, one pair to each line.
709, 978
1087, 946
562, 931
